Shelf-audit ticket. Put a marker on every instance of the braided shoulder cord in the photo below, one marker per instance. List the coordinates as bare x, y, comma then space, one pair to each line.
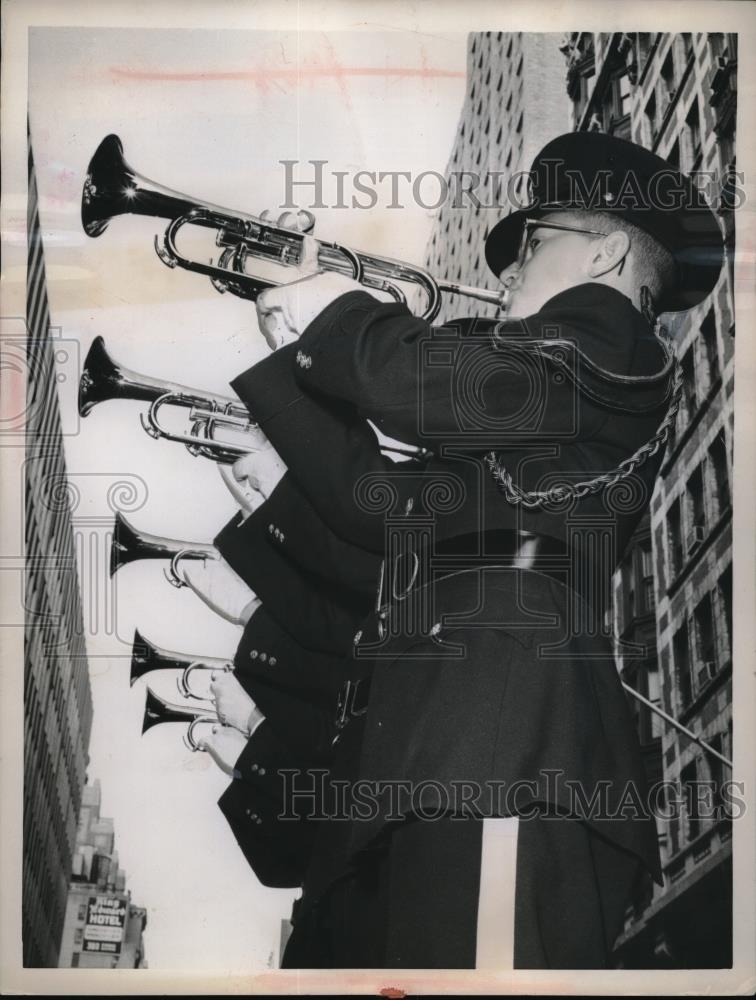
559, 494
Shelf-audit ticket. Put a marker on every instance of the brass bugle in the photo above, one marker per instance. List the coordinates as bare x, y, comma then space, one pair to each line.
208, 414
113, 188
157, 711
103, 379
129, 545
147, 656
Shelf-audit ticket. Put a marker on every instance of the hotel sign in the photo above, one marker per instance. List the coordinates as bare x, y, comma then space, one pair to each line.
106, 919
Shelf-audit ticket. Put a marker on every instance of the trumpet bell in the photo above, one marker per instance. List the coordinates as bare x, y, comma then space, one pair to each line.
113, 188
146, 657
158, 711
103, 379
129, 545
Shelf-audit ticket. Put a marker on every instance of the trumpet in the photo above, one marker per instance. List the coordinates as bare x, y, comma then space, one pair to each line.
113, 188
146, 656
103, 379
157, 711
209, 414
128, 545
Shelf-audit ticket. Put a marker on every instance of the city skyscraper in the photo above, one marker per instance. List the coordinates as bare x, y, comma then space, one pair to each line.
515, 103
57, 693
676, 95
102, 928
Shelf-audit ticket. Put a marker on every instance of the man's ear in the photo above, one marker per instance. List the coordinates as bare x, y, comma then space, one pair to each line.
608, 253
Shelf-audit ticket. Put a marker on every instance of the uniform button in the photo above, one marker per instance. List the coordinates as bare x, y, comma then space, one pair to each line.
262, 771
263, 657
272, 661
253, 655
282, 536
271, 528
258, 821
248, 812
254, 767
253, 816
357, 637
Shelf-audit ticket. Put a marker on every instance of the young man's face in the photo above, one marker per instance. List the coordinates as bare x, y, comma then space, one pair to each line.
553, 261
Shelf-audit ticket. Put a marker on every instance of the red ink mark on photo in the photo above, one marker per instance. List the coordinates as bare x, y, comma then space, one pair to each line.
264, 77
392, 993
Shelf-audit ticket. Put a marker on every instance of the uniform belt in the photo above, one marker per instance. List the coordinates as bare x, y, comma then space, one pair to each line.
527, 550
507, 547
503, 547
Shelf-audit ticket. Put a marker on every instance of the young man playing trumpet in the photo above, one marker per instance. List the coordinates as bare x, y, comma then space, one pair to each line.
550, 425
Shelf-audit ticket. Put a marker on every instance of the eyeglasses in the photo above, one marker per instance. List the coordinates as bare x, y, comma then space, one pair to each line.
533, 224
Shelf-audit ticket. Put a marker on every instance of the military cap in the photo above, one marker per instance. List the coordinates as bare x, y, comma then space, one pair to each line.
598, 172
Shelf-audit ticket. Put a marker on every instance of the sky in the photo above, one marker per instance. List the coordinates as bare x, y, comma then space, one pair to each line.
212, 114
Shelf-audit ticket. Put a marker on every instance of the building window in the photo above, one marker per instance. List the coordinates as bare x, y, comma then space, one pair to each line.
83, 912
718, 465
615, 106
689, 400
717, 777
674, 540
706, 655
668, 81
75, 960
78, 935
651, 123
647, 577
674, 836
645, 42
681, 652
709, 337
724, 620
693, 124
690, 790
646, 682
696, 514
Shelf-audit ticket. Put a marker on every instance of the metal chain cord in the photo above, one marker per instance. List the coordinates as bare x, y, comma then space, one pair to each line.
559, 494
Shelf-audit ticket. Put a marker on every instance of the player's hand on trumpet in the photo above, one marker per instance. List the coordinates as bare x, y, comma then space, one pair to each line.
223, 590
225, 746
253, 477
233, 705
285, 312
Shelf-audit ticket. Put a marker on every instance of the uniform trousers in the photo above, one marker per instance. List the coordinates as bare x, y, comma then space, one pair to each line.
413, 902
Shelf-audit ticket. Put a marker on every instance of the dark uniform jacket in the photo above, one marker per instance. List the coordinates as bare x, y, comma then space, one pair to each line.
315, 588
529, 692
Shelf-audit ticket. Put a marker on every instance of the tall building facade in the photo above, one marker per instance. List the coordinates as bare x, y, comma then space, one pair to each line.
676, 95
57, 694
515, 103
102, 928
